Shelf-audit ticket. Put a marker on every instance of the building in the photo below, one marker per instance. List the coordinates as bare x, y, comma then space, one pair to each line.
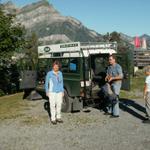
141, 58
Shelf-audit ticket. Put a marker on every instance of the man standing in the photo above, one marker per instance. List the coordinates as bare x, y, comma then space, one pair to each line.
114, 77
147, 94
55, 91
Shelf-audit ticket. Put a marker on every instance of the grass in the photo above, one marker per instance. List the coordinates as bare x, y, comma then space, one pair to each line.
11, 106
14, 107
136, 91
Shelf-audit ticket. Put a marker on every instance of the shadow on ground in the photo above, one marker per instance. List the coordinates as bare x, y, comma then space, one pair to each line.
131, 106
127, 105
47, 108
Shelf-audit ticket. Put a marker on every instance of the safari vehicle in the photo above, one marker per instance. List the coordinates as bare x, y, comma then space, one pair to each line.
84, 69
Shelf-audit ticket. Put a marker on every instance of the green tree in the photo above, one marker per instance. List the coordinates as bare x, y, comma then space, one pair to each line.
114, 36
106, 37
30, 51
12, 38
11, 35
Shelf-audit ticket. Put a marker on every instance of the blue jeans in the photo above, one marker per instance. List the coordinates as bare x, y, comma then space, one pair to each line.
114, 109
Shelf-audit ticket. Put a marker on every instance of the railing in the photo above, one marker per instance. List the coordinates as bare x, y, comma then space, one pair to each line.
98, 45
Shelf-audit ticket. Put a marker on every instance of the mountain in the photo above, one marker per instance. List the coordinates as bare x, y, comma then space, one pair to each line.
130, 39
147, 37
125, 37
9, 8
52, 27
49, 25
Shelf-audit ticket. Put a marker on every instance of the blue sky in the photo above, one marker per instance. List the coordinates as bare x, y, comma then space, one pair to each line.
131, 17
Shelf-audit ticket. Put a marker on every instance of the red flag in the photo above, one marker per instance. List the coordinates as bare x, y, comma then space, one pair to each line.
137, 42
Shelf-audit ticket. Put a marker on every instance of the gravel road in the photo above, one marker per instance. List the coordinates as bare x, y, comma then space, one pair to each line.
86, 130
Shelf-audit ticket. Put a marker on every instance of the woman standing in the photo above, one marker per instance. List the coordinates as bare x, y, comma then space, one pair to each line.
55, 91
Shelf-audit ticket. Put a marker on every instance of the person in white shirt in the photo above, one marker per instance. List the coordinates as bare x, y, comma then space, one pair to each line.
147, 94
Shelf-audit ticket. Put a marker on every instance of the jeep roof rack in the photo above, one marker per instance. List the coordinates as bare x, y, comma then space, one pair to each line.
76, 49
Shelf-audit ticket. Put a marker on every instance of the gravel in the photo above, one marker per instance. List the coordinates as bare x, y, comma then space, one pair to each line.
80, 131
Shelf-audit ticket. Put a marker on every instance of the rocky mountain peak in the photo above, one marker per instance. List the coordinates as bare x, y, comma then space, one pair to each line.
48, 23
40, 4
9, 7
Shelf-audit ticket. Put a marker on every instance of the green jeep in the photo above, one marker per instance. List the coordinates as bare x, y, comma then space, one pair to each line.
84, 69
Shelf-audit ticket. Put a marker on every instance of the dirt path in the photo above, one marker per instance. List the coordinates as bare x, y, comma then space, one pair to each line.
80, 131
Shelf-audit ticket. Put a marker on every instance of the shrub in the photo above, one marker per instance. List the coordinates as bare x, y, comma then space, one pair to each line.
2, 93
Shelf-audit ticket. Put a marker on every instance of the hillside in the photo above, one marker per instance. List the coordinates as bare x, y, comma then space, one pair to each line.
43, 19
52, 27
